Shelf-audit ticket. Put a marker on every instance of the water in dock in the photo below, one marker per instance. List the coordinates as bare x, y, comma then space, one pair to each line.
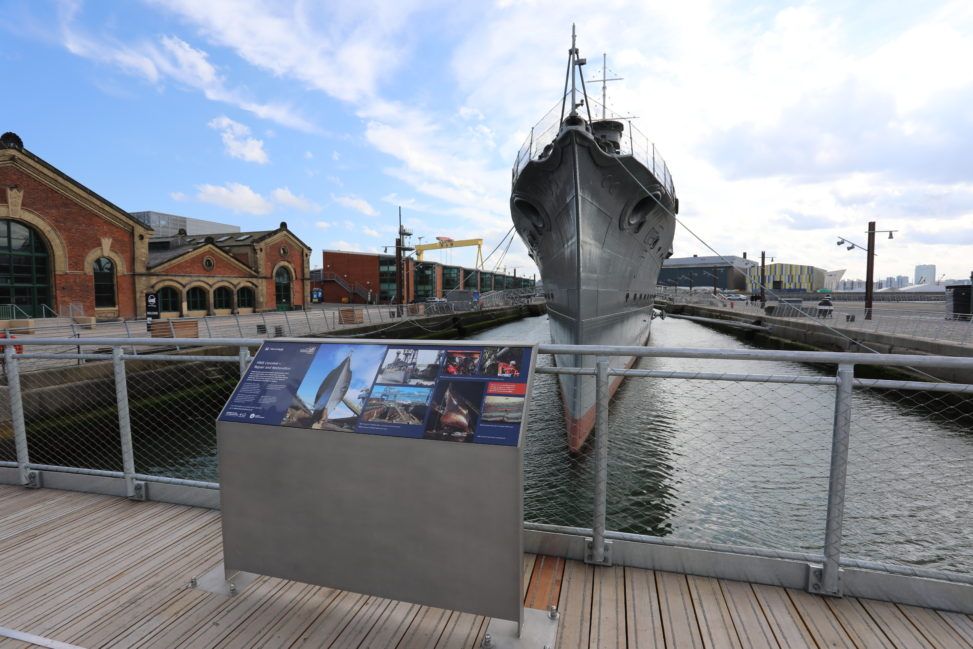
747, 463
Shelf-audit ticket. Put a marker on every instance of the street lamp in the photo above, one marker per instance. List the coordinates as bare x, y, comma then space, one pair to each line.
704, 272
869, 264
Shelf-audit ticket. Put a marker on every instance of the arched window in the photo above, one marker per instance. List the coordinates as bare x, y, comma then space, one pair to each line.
244, 298
196, 299
104, 272
282, 286
169, 299
222, 298
25, 278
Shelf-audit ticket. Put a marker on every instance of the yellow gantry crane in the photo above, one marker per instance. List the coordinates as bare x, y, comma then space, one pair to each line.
446, 242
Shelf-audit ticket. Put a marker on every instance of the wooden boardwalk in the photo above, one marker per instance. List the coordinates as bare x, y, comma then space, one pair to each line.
99, 571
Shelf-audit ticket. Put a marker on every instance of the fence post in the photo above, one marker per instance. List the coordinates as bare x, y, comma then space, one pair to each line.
598, 551
263, 317
28, 478
307, 316
209, 334
238, 325
287, 321
830, 577
133, 488
244, 359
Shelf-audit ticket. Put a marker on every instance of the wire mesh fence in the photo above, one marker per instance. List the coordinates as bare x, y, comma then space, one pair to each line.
725, 447
910, 479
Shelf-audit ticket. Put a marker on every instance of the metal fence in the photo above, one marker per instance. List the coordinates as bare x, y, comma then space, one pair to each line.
769, 454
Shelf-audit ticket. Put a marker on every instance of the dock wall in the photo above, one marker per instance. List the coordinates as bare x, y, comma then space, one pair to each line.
810, 333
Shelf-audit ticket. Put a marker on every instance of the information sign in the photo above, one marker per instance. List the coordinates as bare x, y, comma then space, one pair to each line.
151, 306
446, 392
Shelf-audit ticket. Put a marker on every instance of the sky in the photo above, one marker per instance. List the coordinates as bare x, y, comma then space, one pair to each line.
785, 126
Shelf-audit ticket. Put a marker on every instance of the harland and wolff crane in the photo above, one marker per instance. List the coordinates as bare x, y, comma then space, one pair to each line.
446, 242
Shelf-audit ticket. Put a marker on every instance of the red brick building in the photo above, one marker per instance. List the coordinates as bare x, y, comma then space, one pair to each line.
65, 250
369, 277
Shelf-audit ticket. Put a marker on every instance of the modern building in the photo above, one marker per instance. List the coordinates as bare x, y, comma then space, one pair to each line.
788, 277
169, 225
726, 273
832, 279
925, 274
371, 278
67, 251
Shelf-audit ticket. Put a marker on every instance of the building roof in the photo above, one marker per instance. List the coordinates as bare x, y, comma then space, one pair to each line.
182, 244
712, 260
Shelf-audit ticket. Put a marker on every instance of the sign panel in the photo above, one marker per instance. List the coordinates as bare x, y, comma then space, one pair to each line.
152, 306
456, 393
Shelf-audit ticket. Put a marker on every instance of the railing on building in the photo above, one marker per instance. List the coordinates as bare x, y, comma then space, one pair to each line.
822, 565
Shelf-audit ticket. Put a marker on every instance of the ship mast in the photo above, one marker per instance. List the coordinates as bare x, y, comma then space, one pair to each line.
574, 63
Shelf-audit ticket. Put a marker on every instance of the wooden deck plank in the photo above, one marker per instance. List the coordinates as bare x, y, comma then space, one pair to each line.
461, 632
962, 624
315, 603
643, 627
329, 624
748, 617
858, 624
574, 630
820, 620
545, 583
144, 596
528, 570
77, 572
608, 609
360, 625
713, 614
426, 629
271, 611
392, 627
678, 615
902, 633
935, 629
115, 578
785, 622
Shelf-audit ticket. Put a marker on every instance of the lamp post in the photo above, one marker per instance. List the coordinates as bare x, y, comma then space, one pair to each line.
763, 278
704, 272
869, 263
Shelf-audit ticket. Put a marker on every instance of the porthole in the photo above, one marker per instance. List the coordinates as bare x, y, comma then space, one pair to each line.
284, 251
209, 263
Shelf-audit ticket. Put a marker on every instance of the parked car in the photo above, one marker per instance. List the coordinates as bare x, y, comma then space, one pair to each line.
735, 297
435, 300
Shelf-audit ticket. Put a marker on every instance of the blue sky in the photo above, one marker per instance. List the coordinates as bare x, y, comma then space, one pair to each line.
784, 125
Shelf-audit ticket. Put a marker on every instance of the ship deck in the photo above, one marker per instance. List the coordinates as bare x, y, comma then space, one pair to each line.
102, 571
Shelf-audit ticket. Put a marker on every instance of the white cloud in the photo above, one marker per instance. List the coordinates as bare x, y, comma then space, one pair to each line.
355, 203
237, 142
286, 197
324, 225
335, 156
344, 245
349, 225
235, 197
367, 231
170, 58
308, 155
178, 196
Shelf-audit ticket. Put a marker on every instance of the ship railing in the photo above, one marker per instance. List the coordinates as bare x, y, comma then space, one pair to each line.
633, 142
731, 468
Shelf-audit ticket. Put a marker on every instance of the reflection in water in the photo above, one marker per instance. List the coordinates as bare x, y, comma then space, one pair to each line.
747, 463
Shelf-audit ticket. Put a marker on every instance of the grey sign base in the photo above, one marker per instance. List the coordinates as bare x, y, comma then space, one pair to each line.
539, 631
219, 582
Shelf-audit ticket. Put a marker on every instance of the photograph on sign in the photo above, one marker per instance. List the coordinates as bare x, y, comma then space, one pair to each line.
505, 362
410, 366
455, 410
461, 362
335, 387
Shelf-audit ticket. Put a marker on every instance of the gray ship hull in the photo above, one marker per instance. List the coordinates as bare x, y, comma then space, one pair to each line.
598, 238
